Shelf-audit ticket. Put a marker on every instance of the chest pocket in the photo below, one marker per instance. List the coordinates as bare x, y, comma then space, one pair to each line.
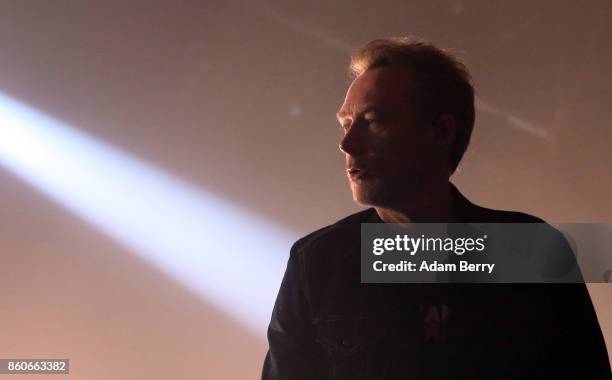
347, 335
365, 346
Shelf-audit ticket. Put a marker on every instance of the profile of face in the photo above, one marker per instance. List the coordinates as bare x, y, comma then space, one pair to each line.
390, 152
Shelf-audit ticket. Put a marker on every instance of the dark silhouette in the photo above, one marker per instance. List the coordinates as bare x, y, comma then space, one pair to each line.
408, 116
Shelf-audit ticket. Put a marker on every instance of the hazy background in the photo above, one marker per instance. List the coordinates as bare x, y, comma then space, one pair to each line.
238, 99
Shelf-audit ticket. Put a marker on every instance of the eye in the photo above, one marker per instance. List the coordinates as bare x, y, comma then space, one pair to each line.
375, 123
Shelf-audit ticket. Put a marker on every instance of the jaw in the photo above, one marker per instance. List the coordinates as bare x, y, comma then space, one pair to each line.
388, 194
367, 193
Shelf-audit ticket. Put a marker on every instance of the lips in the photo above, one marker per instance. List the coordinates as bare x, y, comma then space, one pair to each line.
356, 172
358, 168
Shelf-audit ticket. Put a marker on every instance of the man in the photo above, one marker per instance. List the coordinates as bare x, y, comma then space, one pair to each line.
407, 120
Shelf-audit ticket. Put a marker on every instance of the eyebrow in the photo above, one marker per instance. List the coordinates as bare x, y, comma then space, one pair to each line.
342, 115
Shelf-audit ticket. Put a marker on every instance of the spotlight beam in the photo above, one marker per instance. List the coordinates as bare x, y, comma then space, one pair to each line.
229, 256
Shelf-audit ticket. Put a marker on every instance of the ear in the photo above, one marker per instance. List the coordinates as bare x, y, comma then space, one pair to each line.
444, 130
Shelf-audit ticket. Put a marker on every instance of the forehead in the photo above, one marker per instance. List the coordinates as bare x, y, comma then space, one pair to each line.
384, 87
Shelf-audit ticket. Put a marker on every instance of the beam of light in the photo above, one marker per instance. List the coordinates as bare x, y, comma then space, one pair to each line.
227, 255
296, 24
513, 120
339, 45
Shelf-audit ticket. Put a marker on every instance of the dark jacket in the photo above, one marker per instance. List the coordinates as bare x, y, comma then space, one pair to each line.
326, 324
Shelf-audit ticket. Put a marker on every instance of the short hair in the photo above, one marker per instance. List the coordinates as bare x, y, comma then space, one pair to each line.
442, 82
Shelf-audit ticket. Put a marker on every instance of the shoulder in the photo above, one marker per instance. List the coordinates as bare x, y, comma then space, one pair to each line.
335, 235
488, 215
469, 212
479, 214
552, 256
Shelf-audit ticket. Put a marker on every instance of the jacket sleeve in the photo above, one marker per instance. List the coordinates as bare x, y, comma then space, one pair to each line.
293, 352
575, 346
576, 349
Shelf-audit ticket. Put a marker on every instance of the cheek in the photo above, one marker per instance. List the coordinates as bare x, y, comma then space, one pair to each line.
408, 161
406, 151
400, 151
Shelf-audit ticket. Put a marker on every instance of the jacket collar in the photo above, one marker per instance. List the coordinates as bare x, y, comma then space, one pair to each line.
465, 210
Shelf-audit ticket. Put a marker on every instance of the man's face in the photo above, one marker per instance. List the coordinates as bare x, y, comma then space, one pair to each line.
390, 154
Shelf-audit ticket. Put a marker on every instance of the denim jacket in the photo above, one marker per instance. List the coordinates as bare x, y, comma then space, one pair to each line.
326, 324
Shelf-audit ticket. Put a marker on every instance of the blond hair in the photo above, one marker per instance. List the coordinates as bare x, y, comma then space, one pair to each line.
442, 82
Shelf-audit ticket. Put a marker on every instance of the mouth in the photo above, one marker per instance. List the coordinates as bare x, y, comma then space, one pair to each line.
356, 173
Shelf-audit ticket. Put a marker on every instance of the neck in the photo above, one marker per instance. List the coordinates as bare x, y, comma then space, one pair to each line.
431, 204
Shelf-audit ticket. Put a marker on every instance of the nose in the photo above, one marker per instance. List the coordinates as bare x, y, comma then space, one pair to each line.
352, 141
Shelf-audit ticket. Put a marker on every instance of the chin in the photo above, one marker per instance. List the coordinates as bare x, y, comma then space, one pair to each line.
377, 193
361, 200
366, 195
